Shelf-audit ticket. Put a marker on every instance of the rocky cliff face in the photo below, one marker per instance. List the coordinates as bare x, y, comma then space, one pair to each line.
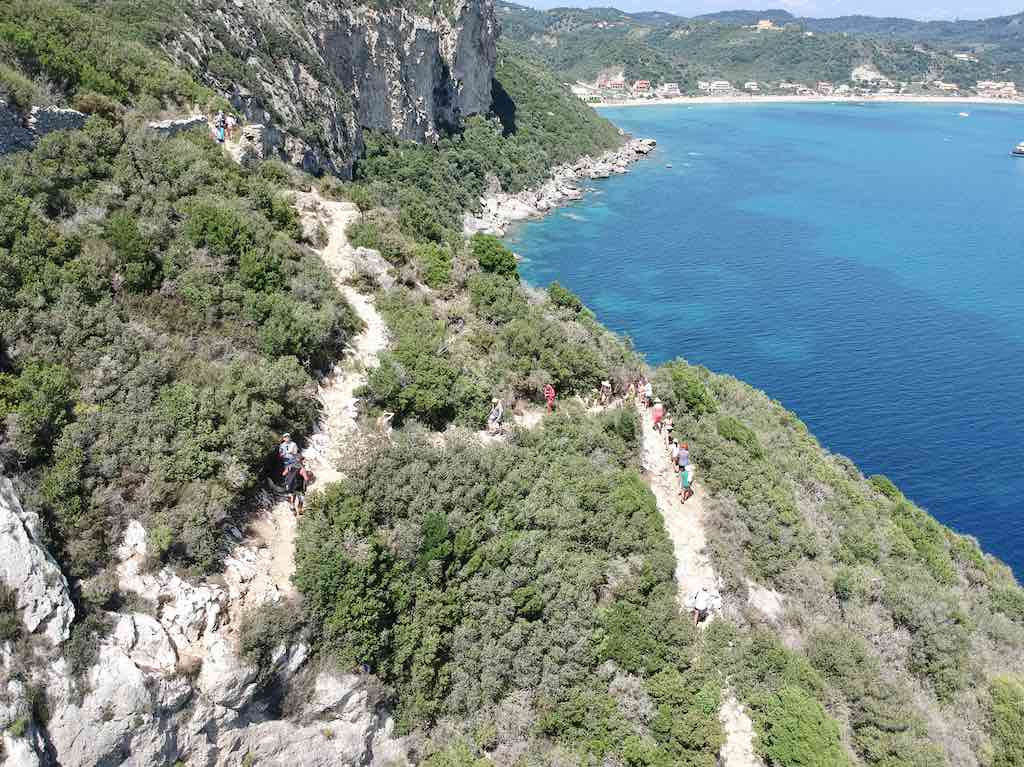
319, 76
167, 685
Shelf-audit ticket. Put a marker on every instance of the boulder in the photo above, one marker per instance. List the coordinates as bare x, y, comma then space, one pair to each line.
26, 566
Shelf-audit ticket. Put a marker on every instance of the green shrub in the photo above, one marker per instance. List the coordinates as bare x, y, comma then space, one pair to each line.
16, 88
436, 262
40, 398
496, 298
10, 620
1007, 725
885, 486
493, 256
793, 729
564, 298
680, 387
18, 727
731, 429
1009, 600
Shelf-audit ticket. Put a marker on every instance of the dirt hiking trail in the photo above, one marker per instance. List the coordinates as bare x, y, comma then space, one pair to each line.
685, 523
273, 531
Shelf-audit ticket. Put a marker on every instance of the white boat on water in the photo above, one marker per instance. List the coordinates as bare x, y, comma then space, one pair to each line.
1018, 151
965, 114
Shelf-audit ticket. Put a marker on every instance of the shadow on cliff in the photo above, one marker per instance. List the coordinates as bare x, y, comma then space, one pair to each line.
504, 108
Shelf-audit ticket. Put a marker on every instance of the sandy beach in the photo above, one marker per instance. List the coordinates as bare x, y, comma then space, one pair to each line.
693, 100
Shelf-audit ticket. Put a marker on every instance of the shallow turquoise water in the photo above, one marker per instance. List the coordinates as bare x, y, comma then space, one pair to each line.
862, 264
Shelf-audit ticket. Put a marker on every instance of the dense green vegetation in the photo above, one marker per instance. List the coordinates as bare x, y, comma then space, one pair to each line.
580, 44
159, 323
86, 55
464, 575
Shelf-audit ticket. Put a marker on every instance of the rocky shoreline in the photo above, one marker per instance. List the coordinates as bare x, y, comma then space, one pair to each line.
499, 209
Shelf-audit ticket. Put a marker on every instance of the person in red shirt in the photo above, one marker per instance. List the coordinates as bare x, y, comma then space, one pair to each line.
549, 396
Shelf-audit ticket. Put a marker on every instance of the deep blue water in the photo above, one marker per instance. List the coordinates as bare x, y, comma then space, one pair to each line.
864, 265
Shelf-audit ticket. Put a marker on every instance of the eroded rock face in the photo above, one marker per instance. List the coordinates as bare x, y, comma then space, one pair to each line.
26, 566
340, 67
170, 687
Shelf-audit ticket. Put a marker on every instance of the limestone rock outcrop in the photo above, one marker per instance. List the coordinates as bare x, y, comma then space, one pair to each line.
339, 67
170, 687
41, 590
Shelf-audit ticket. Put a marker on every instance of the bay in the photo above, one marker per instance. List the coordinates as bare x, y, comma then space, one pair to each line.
862, 264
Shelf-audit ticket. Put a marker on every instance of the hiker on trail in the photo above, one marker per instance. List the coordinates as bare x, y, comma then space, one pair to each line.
549, 396
686, 483
287, 451
495, 416
648, 393
631, 391
657, 414
606, 393
669, 426
683, 456
232, 123
702, 602
296, 480
219, 125
673, 450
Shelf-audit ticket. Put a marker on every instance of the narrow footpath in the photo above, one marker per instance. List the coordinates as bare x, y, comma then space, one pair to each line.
685, 525
272, 533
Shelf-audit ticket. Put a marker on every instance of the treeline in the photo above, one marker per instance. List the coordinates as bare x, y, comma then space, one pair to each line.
575, 46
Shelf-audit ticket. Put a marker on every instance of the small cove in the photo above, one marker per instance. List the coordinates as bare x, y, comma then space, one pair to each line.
860, 263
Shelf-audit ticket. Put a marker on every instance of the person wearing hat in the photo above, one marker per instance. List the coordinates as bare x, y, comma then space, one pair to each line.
287, 450
495, 416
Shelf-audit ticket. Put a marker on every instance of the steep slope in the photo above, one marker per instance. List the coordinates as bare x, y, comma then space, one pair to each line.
316, 76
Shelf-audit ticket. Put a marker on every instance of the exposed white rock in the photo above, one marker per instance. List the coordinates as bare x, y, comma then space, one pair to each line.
180, 125
498, 209
27, 567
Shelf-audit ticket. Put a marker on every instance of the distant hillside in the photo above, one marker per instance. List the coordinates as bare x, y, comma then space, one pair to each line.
582, 43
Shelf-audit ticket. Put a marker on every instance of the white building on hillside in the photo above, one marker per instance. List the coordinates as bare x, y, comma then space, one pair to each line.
996, 89
669, 90
704, 85
751, 86
966, 57
721, 88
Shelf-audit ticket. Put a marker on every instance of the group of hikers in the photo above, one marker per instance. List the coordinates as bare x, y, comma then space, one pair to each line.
497, 414
224, 126
296, 476
678, 452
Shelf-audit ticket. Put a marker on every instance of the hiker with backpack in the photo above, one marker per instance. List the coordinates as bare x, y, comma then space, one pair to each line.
296, 482
549, 396
686, 483
702, 602
606, 393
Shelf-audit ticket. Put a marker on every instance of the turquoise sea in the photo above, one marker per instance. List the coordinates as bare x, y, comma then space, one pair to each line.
863, 264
